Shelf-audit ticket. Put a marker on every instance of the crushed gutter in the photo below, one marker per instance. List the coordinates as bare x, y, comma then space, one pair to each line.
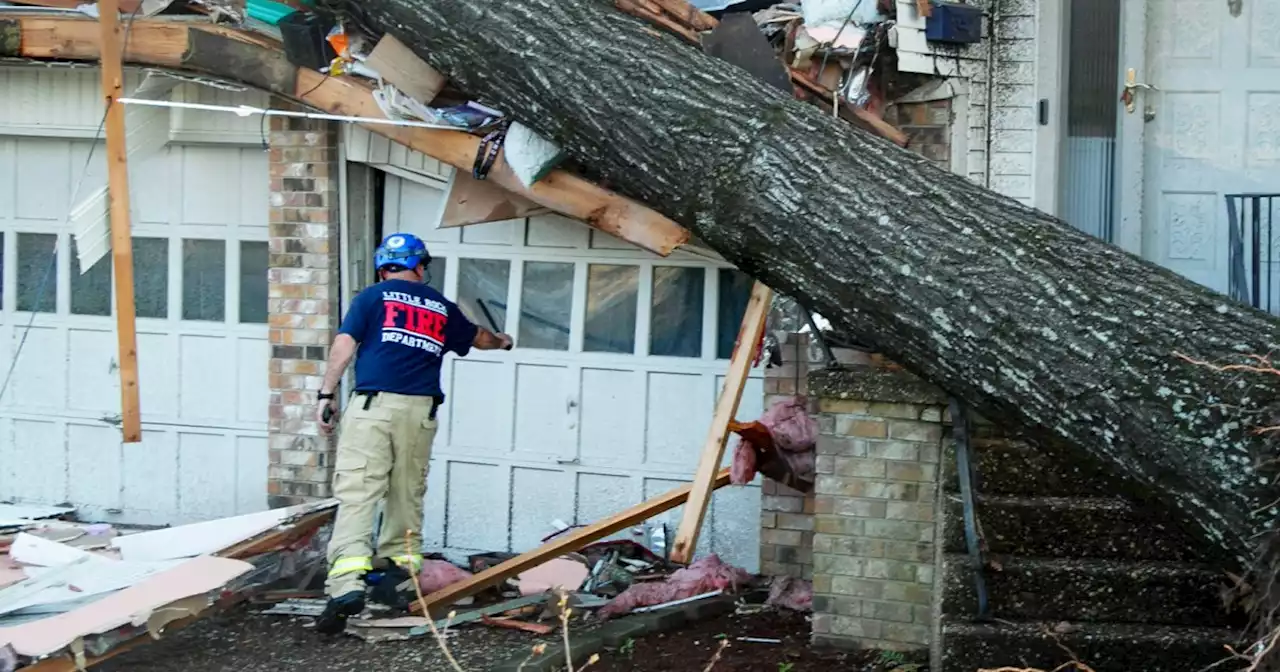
167, 578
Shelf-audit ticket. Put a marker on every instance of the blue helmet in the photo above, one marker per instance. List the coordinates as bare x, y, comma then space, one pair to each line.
401, 249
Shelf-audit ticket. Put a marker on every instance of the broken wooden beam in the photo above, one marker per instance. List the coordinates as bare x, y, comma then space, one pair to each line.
257, 61
112, 70
441, 600
704, 479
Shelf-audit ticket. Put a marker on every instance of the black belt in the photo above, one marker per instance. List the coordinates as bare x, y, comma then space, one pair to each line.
436, 400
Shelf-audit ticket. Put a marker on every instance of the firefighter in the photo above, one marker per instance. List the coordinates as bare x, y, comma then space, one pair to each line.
399, 331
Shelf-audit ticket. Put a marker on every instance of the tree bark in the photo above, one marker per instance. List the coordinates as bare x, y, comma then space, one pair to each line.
1031, 322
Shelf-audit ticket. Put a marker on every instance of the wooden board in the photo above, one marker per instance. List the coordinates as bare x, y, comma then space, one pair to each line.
704, 480
440, 601
472, 201
121, 235
403, 69
260, 62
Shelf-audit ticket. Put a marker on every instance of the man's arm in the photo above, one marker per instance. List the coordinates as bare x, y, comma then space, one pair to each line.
487, 340
344, 346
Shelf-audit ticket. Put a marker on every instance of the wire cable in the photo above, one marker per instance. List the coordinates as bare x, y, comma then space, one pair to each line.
51, 267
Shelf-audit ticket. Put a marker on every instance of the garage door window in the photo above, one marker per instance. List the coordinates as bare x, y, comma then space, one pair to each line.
546, 305
151, 277
204, 289
253, 282
482, 290
36, 259
675, 328
90, 290
612, 294
735, 290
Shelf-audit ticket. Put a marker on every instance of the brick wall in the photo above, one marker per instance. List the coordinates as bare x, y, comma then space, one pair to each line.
874, 524
786, 515
303, 302
928, 128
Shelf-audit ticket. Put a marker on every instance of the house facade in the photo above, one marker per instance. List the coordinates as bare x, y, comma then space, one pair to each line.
251, 236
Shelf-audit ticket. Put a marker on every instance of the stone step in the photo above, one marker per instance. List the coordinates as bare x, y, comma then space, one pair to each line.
1090, 590
1012, 467
1063, 527
1104, 647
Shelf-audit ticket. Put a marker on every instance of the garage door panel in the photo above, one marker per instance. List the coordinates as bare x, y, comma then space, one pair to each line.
544, 415
43, 479
491, 233
8, 177
208, 175
735, 528
435, 512
150, 475
481, 405
253, 358
612, 418
478, 506
95, 466
253, 190
40, 375
556, 231
44, 183
603, 495
95, 377
252, 463
203, 367
676, 420
154, 205
657, 486
206, 476
157, 375
538, 497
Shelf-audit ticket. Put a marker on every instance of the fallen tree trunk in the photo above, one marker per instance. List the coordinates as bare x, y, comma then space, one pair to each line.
1031, 322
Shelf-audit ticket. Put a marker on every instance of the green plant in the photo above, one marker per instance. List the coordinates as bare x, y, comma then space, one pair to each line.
628, 647
785, 667
890, 659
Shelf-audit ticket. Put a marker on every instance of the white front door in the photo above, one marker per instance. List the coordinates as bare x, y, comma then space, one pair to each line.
1210, 128
605, 401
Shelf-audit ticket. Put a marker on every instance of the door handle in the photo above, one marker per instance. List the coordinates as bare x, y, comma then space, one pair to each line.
1131, 87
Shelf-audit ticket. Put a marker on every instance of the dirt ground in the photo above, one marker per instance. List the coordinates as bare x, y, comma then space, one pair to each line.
690, 648
243, 640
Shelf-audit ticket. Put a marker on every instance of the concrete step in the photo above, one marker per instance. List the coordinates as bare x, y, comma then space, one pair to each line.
1013, 467
1063, 527
1089, 590
1103, 647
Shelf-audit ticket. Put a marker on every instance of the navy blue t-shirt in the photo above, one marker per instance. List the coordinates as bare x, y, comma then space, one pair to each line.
404, 328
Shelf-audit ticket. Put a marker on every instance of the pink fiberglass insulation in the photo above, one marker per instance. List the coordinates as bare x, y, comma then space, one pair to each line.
437, 574
703, 576
791, 593
794, 435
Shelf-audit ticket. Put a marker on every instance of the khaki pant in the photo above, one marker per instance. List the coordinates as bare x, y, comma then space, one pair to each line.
383, 451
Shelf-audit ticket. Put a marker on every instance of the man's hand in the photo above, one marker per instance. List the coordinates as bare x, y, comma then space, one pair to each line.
327, 414
487, 340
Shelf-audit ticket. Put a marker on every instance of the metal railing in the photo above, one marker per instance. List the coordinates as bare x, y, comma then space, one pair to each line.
1253, 256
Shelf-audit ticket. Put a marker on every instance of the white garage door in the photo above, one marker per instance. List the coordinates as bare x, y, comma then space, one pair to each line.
605, 401
200, 259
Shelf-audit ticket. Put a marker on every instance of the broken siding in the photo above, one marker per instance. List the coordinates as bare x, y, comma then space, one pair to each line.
1012, 118
67, 102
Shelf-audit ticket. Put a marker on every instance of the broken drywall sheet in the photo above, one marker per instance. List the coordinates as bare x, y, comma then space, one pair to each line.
187, 541
135, 605
16, 516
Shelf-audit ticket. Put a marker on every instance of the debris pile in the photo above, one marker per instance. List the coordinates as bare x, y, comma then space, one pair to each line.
80, 590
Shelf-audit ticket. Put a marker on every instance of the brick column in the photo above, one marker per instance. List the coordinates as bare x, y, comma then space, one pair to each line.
874, 529
303, 302
786, 515
928, 127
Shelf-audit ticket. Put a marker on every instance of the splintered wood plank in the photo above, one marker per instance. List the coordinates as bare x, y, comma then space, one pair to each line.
121, 236
726, 408
440, 601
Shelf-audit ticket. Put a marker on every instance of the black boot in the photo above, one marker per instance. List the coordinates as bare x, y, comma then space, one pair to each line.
389, 585
338, 610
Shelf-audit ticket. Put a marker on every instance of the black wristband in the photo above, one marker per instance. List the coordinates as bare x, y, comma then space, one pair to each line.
324, 396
